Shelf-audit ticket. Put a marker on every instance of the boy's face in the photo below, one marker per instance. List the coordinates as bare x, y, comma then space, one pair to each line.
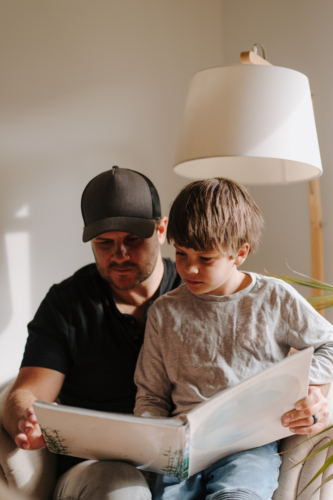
212, 272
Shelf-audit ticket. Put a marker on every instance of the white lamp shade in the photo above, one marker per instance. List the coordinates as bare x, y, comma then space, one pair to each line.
253, 124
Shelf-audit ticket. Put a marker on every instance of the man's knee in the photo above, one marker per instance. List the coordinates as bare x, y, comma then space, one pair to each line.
107, 480
237, 493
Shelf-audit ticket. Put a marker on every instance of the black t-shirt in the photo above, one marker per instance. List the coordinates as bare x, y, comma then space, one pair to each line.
79, 331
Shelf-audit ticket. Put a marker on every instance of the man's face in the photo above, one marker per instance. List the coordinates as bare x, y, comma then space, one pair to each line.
125, 260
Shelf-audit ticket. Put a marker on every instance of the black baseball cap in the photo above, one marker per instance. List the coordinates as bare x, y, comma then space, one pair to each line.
120, 200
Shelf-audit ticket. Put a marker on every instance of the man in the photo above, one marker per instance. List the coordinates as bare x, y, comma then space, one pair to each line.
86, 335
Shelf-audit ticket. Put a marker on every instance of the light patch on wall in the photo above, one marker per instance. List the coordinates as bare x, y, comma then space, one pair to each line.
22, 212
13, 338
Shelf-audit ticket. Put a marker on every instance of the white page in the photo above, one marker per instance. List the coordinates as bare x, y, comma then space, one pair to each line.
249, 414
152, 444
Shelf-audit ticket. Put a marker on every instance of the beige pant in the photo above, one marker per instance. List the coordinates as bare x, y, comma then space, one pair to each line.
92, 480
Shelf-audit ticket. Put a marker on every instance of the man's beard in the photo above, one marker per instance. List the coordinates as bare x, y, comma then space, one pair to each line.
142, 273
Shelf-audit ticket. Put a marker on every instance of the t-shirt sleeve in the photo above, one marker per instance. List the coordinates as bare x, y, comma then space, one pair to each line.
308, 328
47, 345
153, 385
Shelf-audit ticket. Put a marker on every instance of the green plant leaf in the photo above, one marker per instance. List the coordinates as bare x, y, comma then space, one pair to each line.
327, 445
329, 478
321, 470
321, 298
308, 278
321, 302
308, 439
311, 283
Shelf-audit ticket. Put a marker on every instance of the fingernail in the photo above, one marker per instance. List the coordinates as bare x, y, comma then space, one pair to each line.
298, 407
26, 430
286, 420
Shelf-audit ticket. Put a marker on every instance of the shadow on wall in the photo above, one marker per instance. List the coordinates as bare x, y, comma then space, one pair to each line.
15, 289
14, 254
33, 202
6, 304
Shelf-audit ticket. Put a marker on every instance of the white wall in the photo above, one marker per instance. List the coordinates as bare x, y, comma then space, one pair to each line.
296, 34
85, 85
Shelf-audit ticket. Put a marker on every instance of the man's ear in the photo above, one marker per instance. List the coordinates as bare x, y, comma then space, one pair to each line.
161, 230
242, 254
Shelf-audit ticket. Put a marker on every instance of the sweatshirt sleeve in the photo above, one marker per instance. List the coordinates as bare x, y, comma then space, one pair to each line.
153, 397
309, 328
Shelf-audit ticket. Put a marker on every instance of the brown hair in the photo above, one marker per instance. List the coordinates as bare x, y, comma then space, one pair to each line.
215, 214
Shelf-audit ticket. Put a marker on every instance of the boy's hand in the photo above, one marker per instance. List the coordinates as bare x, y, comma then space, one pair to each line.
30, 436
301, 421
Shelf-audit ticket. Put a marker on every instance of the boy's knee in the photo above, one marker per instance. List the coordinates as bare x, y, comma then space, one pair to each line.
103, 480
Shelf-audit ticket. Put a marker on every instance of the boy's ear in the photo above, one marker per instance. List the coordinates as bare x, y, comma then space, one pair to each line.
242, 254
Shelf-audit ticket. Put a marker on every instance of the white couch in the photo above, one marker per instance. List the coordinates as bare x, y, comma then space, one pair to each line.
33, 472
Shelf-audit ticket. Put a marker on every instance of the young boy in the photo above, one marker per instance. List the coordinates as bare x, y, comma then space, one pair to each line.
221, 327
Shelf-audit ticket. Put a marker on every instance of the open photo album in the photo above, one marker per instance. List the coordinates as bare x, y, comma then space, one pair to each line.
245, 416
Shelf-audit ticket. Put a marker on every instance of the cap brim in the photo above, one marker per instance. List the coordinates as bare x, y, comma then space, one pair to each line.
133, 225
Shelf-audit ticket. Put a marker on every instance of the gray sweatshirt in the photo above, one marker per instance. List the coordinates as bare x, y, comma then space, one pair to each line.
198, 345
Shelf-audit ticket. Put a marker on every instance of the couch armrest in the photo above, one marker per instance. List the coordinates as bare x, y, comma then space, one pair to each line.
9, 493
291, 482
32, 472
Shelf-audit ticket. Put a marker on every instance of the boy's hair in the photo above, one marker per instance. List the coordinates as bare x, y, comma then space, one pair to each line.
215, 214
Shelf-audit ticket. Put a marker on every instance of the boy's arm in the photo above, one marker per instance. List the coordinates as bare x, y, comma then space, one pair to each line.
308, 328
153, 398
300, 420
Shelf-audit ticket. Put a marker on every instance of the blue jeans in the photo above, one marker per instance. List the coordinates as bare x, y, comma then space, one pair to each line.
248, 475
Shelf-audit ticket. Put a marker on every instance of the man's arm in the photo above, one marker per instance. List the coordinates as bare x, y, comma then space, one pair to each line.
19, 418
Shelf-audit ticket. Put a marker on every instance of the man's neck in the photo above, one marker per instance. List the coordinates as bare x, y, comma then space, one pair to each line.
136, 300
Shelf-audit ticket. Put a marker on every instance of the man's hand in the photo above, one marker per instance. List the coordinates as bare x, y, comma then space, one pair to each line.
30, 436
19, 418
300, 420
